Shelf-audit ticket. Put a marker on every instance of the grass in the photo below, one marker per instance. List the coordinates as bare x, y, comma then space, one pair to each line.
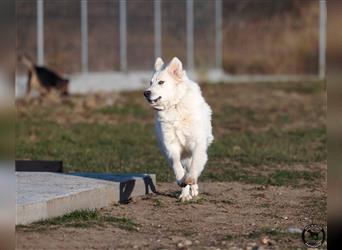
133, 109
81, 219
259, 129
158, 203
271, 147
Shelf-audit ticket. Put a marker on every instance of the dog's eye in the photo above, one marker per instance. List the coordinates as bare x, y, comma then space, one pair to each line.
161, 82
151, 83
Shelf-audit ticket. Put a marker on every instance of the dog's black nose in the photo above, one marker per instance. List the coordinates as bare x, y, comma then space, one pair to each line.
147, 94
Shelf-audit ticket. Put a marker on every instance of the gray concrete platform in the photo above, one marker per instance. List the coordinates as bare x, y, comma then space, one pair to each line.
42, 195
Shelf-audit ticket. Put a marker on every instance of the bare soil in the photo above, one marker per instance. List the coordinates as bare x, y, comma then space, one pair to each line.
227, 215
269, 155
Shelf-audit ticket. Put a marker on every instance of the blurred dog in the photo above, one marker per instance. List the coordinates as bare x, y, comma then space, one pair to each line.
183, 123
43, 79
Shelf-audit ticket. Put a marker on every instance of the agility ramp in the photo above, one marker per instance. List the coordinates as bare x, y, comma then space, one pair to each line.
42, 195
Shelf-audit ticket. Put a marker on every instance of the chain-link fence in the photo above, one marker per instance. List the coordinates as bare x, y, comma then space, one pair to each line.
247, 37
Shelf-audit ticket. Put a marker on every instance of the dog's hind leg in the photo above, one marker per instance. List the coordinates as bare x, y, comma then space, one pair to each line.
194, 190
174, 157
186, 163
199, 159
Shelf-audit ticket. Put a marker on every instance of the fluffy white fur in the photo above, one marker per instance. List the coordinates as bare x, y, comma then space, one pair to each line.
183, 123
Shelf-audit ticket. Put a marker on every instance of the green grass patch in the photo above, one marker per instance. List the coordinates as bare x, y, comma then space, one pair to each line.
81, 219
132, 109
121, 138
294, 178
87, 147
271, 147
133, 147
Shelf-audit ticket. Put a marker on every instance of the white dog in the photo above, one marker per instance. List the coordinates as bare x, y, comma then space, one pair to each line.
183, 123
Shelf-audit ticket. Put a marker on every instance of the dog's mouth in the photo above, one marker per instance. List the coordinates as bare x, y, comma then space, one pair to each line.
154, 101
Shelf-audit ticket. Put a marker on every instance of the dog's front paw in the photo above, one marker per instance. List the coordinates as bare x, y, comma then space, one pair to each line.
194, 190
185, 194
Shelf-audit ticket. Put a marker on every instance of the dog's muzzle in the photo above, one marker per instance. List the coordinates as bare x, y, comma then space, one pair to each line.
147, 95
155, 100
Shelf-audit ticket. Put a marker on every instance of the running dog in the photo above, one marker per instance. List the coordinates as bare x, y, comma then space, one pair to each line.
182, 121
43, 79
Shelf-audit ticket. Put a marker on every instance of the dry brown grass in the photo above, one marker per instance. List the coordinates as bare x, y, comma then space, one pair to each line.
283, 43
258, 37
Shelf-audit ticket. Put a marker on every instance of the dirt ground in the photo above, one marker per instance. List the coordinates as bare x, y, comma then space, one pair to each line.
265, 178
225, 216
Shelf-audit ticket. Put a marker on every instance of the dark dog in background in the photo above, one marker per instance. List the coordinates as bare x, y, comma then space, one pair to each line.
43, 79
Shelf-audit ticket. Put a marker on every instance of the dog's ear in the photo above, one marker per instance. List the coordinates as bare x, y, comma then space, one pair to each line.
158, 64
175, 68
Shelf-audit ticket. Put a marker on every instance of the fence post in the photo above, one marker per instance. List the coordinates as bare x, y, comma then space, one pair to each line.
84, 35
322, 38
40, 32
157, 29
190, 34
218, 34
123, 36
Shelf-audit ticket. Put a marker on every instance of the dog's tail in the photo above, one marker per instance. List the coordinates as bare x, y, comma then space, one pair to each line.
27, 61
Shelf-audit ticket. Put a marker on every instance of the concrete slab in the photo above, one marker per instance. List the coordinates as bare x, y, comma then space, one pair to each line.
131, 185
42, 195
